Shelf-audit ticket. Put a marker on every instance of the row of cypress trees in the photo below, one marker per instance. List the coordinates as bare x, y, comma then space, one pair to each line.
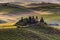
29, 20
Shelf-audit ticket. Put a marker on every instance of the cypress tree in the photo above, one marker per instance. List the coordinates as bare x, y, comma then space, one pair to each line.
21, 19
36, 19
19, 22
25, 21
29, 20
41, 20
33, 20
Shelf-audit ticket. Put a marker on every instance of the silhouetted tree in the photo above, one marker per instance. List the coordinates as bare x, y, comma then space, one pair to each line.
20, 22
21, 19
29, 20
36, 19
32, 20
25, 21
41, 20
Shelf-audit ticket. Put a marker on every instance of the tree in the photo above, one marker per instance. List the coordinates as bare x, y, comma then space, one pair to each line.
32, 20
21, 19
19, 22
25, 22
36, 19
41, 20
29, 20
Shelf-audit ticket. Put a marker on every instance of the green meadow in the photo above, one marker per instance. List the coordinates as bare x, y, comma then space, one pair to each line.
29, 33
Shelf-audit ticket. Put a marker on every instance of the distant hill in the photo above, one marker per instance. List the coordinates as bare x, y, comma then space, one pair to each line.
10, 8
43, 4
50, 7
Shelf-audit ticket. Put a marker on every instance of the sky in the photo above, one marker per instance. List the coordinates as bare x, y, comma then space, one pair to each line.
52, 1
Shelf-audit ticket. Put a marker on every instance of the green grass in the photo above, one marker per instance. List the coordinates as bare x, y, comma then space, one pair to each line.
29, 33
15, 34
45, 34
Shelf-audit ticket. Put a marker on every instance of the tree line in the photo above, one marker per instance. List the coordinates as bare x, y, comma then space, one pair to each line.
30, 20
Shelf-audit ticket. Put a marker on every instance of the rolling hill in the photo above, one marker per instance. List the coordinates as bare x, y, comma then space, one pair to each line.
11, 11
29, 33
48, 7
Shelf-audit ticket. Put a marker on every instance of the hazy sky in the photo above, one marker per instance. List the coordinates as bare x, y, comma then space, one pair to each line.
54, 1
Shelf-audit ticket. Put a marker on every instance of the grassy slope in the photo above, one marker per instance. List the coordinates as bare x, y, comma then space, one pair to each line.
30, 33
44, 33
17, 35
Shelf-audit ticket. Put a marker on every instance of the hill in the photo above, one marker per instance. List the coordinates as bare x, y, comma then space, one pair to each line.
30, 33
43, 4
45, 7
10, 8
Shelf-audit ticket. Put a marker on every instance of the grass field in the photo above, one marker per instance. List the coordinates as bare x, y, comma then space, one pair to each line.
29, 33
